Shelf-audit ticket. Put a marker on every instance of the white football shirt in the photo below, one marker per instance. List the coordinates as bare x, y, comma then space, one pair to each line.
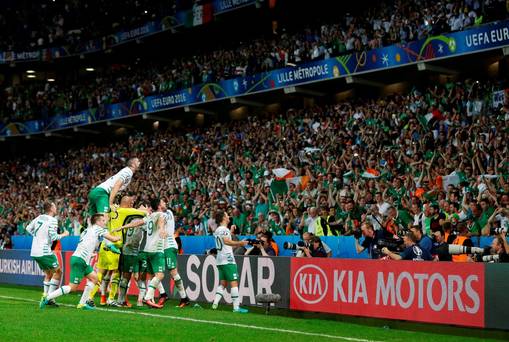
224, 253
44, 231
126, 174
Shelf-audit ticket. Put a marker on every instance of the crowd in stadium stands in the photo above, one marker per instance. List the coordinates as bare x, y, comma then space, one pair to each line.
435, 157
31, 25
392, 22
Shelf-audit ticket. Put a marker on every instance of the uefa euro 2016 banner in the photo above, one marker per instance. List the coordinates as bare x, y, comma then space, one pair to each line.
464, 294
490, 36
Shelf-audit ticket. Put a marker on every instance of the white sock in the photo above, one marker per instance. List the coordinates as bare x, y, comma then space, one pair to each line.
46, 285
235, 298
86, 292
219, 294
180, 286
160, 288
59, 292
104, 285
152, 286
143, 289
122, 290
53, 284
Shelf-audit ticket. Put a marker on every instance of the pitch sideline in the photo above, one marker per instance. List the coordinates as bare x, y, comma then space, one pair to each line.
238, 325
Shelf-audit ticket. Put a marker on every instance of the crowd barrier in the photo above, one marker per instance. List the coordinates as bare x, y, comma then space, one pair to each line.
472, 295
341, 246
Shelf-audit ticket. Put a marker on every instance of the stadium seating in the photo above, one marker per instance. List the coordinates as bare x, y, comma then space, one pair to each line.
369, 29
427, 146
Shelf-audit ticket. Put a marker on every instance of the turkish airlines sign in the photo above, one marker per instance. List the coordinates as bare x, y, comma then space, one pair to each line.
446, 293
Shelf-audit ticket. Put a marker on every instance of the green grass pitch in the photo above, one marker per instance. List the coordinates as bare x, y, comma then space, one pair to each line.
22, 320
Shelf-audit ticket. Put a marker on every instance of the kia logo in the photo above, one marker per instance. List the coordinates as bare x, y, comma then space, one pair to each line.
310, 284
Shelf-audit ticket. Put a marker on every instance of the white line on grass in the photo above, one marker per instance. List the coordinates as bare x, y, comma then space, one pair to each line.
297, 332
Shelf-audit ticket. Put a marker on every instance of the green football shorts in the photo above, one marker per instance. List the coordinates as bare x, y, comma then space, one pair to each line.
170, 255
79, 269
98, 202
228, 272
47, 262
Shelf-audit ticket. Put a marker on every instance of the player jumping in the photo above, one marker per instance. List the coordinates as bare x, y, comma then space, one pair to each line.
102, 197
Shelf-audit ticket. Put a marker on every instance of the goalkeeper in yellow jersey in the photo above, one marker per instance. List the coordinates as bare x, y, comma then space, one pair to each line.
108, 263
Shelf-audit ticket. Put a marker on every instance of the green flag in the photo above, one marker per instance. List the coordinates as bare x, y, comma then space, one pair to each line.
278, 187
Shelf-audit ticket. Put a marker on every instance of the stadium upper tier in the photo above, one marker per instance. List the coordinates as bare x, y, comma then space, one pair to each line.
392, 22
76, 26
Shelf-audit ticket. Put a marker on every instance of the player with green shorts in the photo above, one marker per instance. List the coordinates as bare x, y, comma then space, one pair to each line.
80, 262
101, 198
170, 256
226, 262
44, 231
152, 248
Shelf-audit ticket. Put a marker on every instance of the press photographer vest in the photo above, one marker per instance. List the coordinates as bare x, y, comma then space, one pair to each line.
462, 257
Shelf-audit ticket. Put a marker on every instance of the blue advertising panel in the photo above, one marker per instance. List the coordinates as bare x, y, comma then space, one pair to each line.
17, 267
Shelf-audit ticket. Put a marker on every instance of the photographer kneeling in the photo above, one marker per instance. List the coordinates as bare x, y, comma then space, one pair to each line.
307, 242
412, 251
423, 241
315, 249
371, 239
442, 251
308, 238
440, 248
499, 251
262, 246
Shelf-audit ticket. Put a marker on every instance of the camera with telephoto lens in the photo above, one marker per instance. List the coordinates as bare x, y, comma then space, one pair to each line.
394, 245
457, 249
253, 242
294, 246
496, 231
491, 258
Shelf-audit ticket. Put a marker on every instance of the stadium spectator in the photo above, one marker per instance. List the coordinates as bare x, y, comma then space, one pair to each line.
403, 168
391, 22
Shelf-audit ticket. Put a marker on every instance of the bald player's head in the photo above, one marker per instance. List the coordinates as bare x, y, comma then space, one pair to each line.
127, 202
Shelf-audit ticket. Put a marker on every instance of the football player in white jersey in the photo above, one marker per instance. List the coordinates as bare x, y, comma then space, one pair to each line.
170, 256
152, 247
44, 229
102, 197
80, 262
226, 261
